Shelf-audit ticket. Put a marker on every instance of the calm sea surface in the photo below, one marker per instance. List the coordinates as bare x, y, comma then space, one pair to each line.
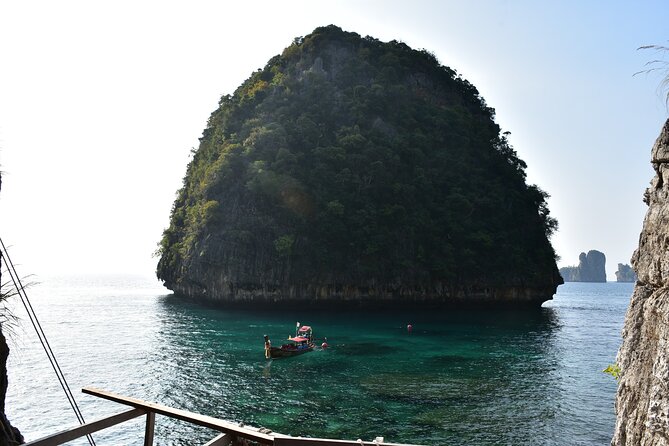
460, 378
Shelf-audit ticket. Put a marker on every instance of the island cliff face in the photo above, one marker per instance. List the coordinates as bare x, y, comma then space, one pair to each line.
352, 170
642, 401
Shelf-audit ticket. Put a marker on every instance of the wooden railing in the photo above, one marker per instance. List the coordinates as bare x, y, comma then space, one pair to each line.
231, 434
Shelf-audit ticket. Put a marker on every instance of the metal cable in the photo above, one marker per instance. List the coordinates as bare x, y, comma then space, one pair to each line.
42, 337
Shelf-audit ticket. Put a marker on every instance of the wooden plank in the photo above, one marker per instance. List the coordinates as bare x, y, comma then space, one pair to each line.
190, 417
285, 440
221, 440
88, 428
150, 428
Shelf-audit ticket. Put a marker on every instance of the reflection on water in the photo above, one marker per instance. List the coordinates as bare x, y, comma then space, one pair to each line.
460, 377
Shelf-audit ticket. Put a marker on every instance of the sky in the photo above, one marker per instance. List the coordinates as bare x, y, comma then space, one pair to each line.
102, 102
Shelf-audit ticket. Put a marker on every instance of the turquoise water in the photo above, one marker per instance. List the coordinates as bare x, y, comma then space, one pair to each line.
460, 377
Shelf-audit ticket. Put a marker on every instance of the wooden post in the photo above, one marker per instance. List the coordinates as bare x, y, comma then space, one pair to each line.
150, 427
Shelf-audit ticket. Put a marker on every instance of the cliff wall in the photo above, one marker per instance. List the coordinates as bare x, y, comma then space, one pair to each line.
642, 401
220, 288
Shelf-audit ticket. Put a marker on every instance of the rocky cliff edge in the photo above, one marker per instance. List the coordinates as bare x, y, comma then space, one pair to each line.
642, 401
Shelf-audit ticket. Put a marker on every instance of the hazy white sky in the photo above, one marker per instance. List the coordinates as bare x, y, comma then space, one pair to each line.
101, 103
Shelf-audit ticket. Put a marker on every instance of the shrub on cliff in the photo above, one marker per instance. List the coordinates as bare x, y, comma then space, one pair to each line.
349, 161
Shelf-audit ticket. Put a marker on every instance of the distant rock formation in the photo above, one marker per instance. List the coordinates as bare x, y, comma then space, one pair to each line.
570, 273
625, 273
642, 402
591, 268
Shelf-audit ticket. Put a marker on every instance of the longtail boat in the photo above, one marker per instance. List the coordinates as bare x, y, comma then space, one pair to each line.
302, 342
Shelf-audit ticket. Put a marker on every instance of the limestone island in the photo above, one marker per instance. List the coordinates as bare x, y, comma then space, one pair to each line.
591, 268
625, 273
349, 171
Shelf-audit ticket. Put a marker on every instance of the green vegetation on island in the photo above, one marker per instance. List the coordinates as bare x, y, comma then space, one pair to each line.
349, 167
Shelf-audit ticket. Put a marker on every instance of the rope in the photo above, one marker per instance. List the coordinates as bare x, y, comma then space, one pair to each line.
42, 337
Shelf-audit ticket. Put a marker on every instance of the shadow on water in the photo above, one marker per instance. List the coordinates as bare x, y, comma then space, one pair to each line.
460, 376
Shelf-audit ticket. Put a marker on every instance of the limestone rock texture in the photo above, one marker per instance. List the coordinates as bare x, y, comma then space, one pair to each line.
642, 401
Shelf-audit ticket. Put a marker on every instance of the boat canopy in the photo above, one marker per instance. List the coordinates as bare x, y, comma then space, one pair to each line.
298, 339
304, 328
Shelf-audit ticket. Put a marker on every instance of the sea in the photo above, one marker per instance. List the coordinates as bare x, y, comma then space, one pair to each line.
474, 377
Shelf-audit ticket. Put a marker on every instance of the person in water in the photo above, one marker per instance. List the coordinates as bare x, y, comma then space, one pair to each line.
268, 346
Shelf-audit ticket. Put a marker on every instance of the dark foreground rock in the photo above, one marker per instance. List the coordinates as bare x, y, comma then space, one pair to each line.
9, 435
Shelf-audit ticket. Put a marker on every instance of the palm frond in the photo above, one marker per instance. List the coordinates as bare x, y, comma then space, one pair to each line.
8, 320
661, 65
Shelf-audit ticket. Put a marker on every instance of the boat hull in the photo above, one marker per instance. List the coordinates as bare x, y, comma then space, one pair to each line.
282, 352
